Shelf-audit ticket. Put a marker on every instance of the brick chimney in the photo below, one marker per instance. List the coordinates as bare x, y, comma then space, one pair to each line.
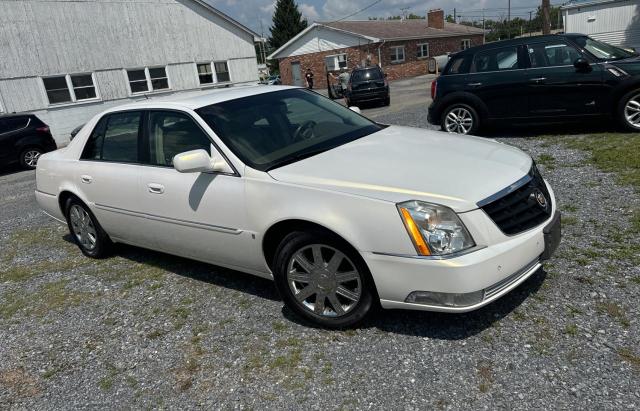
435, 19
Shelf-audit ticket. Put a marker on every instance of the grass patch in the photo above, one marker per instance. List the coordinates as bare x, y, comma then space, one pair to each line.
485, 376
288, 361
614, 311
569, 208
568, 220
546, 160
612, 152
571, 329
630, 357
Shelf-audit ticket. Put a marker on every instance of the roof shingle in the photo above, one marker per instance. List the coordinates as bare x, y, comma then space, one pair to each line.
401, 29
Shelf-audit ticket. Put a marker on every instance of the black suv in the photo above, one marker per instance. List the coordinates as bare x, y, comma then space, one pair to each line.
543, 79
367, 84
23, 139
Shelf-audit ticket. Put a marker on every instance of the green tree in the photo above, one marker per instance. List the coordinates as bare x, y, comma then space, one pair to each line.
287, 22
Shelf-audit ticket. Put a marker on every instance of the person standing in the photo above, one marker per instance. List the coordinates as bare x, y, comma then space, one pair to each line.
309, 77
343, 79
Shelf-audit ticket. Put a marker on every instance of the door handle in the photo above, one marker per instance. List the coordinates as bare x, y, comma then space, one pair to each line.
86, 179
538, 80
474, 84
155, 188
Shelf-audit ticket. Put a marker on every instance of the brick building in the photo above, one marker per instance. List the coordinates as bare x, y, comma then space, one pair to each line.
401, 47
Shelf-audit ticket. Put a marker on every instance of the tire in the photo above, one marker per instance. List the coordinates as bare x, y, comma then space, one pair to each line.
29, 157
628, 111
386, 102
460, 109
346, 301
85, 230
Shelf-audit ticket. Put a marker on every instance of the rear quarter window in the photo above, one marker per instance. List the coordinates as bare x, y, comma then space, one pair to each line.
458, 65
8, 125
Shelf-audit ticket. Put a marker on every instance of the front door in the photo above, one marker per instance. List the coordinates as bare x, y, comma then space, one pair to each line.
197, 215
296, 74
108, 174
497, 78
557, 88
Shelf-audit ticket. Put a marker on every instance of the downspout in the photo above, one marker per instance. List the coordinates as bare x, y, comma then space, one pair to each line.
379, 53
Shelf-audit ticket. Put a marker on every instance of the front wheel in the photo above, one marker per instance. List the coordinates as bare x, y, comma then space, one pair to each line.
322, 279
629, 111
460, 119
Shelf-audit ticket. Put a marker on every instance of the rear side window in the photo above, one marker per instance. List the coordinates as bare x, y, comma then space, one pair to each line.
458, 65
8, 125
496, 60
172, 133
552, 54
115, 138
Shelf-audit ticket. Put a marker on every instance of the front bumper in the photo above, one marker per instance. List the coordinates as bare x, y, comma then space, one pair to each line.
469, 281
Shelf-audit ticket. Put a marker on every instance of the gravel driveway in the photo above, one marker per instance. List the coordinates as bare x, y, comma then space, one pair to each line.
143, 329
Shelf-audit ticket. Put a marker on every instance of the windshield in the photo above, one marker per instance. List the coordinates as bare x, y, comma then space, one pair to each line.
273, 129
602, 51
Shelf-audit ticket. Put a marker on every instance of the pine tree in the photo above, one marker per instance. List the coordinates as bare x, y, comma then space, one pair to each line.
287, 22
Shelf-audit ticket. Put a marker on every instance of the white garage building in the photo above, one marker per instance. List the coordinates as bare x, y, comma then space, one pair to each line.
613, 21
67, 60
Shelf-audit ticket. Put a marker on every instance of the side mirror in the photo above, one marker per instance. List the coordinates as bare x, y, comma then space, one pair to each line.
582, 64
199, 161
355, 109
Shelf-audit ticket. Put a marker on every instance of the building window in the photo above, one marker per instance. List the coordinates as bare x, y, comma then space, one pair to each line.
336, 62
423, 50
205, 74
70, 88
147, 79
465, 44
397, 54
222, 71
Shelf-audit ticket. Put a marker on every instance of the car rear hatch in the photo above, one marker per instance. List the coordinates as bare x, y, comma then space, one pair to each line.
368, 82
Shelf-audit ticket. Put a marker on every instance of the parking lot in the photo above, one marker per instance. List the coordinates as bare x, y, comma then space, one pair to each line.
143, 329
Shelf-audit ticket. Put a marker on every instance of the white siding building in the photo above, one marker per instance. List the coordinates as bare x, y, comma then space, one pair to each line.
613, 21
67, 60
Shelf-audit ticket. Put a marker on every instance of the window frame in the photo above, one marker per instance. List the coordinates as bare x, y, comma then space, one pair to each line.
336, 59
520, 64
214, 79
420, 54
394, 55
465, 44
71, 89
226, 63
141, 128
147, 77
544, 44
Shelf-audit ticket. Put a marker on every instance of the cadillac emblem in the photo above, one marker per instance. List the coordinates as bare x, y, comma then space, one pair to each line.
538, 196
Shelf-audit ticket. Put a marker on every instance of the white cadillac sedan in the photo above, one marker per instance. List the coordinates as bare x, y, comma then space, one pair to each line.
280, 182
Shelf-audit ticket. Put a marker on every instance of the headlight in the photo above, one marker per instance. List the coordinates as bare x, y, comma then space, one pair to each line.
434, 229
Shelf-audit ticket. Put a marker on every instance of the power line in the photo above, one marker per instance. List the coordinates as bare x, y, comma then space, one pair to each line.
359, 11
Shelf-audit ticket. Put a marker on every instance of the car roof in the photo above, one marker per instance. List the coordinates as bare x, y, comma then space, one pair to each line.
517, 42
12, 115
196, 100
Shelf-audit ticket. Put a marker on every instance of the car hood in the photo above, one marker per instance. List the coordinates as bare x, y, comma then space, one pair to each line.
400, 163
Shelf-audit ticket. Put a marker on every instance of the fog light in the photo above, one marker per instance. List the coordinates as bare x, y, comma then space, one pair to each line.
445, 299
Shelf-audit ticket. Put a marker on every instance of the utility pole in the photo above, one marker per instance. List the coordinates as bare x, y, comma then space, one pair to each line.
455, 16
530, 32
509, 12
546, 17
484, 33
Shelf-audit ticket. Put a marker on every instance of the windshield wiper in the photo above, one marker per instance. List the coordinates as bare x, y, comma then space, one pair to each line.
300, 156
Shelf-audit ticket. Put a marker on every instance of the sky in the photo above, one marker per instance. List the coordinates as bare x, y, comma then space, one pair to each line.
256, 14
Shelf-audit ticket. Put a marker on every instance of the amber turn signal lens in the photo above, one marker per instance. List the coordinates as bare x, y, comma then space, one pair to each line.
414, 232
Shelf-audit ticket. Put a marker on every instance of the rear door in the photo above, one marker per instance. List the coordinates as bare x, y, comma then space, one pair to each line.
497, 77
557, 88
108, 175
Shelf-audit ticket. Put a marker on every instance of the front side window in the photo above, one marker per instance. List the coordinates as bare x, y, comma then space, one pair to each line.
222, 71
172, 133
205, 74
69, 88
397, 54
147, 79
552, 55
496, 60
273, 129
115, 138
423, 50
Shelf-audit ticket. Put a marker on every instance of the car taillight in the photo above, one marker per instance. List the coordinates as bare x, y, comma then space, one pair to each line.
44, 129
434, 89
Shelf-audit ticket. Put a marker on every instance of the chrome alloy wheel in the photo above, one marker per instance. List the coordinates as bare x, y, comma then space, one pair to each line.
632, 111
324, 280
83, 228
31, 157
459, 120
